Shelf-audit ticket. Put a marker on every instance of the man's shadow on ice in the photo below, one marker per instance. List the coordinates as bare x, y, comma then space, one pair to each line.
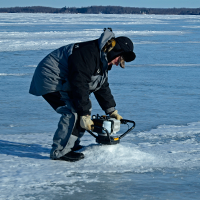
23, 150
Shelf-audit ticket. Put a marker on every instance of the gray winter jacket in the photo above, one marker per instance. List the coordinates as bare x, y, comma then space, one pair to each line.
80, 69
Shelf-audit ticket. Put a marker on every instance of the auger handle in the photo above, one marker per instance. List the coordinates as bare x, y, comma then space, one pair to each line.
125, 121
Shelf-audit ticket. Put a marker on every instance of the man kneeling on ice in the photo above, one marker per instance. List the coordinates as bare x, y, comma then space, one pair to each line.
67, 76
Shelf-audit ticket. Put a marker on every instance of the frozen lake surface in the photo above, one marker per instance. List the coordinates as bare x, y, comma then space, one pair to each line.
160, 91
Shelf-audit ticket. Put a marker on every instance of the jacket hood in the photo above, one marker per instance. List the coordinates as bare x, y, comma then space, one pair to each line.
105, 36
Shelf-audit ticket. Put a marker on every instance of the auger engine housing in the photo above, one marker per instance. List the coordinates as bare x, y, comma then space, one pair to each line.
105, 126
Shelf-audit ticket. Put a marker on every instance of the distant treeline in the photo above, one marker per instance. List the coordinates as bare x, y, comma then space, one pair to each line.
103, 10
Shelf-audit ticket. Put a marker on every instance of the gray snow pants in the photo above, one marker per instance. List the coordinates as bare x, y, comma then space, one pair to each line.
69, 132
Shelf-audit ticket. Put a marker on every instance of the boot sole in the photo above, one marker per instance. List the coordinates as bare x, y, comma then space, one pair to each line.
68, 159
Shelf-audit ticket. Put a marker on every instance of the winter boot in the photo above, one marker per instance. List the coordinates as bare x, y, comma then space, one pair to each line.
71, 156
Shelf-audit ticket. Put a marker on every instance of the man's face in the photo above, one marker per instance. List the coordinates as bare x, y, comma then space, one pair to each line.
116, 61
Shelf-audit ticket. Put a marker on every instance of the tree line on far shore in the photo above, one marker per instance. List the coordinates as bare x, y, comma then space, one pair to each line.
103, 10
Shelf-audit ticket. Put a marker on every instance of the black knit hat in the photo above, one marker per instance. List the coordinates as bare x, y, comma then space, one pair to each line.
124, 47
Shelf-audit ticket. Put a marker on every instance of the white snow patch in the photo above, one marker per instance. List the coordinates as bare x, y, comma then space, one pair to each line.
27, 170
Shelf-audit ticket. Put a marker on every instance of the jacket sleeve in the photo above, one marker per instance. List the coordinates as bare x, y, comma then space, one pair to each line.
81, 67
105, 98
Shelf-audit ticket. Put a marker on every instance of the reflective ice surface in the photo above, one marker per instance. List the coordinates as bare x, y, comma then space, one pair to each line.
160, 90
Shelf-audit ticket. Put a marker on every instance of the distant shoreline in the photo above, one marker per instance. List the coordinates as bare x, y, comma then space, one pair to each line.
103, 10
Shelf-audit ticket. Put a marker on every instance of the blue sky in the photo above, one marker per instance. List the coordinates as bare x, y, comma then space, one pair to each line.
83, 3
